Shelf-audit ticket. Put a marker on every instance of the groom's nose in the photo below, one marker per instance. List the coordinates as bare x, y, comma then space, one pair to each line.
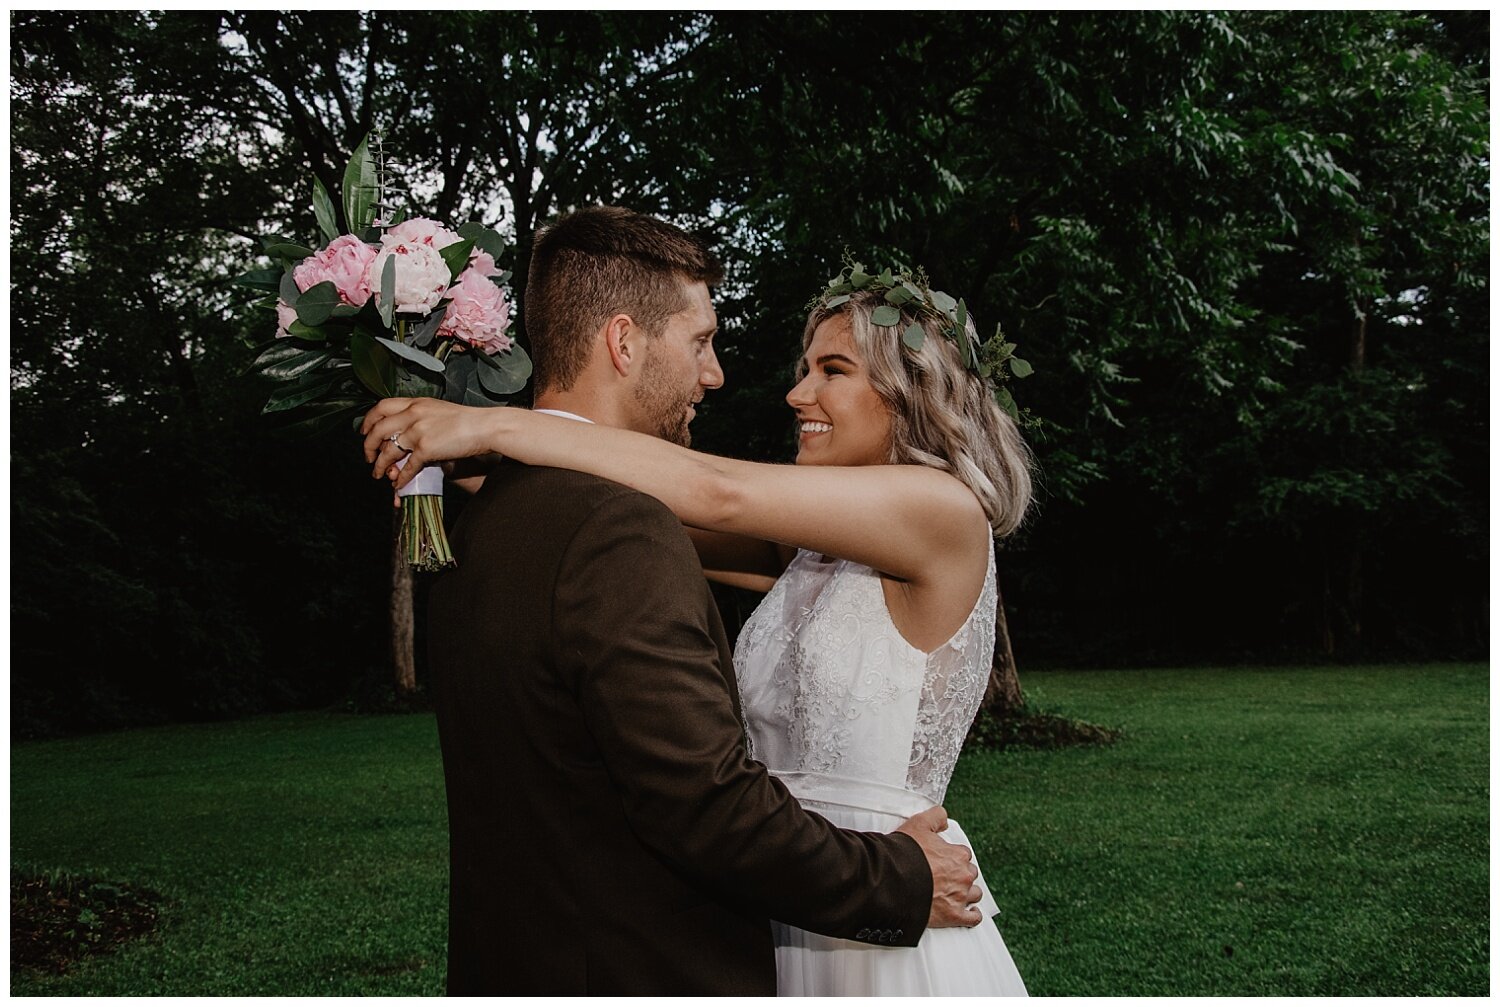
713, 374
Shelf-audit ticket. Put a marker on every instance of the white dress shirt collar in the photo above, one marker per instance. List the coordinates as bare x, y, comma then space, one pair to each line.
565, 415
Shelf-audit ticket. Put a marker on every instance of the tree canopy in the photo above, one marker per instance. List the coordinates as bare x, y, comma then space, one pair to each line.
1247, 254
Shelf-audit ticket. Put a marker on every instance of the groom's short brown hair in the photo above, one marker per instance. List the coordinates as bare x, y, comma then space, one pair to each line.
596, 263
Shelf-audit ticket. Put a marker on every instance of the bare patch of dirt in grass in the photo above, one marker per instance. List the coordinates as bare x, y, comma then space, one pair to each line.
1028, 727
57, 920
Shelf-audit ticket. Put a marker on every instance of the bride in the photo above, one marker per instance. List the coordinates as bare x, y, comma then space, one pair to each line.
862, 669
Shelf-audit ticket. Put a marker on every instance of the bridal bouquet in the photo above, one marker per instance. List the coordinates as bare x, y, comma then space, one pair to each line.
394, 306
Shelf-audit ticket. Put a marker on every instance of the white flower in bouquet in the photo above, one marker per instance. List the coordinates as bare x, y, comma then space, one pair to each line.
421, 275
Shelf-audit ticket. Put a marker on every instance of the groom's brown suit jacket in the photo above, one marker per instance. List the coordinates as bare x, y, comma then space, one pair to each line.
609, 833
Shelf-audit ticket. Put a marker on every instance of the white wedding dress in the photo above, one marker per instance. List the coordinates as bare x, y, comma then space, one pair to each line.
865, 730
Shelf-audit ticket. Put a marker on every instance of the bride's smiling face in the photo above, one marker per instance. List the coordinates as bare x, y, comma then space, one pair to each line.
841, 419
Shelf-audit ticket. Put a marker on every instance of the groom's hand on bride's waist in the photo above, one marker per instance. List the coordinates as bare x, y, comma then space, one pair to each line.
954, 893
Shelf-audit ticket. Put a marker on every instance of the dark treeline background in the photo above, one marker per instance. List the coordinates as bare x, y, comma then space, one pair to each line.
1246, 253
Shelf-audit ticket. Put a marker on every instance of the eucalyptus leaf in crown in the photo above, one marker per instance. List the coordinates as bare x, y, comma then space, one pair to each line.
909, 298
394, 306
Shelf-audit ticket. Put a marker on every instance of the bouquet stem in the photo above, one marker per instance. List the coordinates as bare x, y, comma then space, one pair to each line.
424, 542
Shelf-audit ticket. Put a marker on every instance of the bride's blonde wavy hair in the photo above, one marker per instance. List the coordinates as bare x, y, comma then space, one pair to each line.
943, 415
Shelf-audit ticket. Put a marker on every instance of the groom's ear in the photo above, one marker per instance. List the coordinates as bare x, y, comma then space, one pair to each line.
625, 342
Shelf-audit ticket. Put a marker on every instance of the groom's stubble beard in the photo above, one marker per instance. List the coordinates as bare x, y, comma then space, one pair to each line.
663, 407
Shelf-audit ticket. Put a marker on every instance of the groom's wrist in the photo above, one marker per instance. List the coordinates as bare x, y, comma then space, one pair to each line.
918, 886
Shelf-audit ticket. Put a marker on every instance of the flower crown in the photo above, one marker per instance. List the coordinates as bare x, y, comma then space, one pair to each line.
908, 295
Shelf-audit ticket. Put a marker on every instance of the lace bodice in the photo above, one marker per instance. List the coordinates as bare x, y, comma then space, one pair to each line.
828, 685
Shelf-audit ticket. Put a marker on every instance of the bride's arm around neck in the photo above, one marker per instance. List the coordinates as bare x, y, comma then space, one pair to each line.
914, 523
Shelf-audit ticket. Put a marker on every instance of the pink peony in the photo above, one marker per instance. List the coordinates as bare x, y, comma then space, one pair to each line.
346, 261
285, 316
420, 230
421, 275
484, 263
478, 314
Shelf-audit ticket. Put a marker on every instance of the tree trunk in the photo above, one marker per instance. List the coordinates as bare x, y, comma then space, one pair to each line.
403, 654
1326, 608
180, 366
1355, 592
1354, 588
1357, 341
1003, 694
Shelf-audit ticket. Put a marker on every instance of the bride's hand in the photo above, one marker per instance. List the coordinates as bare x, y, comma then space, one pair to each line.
425, 431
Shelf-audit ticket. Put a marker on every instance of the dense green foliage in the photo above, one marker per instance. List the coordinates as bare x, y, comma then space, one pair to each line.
1291, 831
1246, 253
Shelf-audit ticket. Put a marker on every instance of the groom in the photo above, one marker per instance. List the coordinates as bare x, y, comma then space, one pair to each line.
609, 834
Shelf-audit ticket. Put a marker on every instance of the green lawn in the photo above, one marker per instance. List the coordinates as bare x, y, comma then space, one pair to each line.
1259, 831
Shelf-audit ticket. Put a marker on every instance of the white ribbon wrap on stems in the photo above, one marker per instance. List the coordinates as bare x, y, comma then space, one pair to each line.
428, 483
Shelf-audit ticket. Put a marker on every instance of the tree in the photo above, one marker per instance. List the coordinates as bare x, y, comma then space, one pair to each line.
1382, 262
125, 385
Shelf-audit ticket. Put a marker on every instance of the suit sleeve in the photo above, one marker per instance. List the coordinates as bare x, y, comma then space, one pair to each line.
630, 628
